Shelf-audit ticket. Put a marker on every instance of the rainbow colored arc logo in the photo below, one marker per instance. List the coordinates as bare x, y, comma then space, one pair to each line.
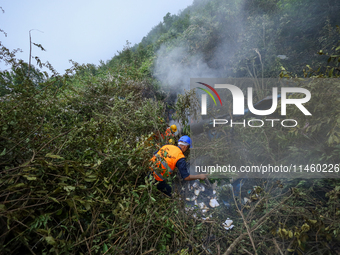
208, 92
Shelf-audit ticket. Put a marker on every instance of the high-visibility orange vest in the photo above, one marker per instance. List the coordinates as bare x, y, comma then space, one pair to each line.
167, 157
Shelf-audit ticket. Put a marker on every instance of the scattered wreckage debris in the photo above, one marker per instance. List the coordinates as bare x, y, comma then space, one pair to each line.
205, 197
228, 224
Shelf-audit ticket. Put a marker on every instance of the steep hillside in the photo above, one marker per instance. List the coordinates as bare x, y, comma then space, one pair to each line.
75, 149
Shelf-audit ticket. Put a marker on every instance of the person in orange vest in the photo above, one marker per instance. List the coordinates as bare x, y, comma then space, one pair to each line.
168, 137
167, 158
170, 134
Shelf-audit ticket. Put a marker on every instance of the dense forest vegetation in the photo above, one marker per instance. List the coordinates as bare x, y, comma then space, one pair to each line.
74, 168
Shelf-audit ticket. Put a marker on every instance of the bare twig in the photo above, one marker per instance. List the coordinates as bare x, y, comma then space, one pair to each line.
248, 252
30, 57
112, 245
245, 222
55, 138
81, 227
277, 246
257, 225
101, 233
148, 251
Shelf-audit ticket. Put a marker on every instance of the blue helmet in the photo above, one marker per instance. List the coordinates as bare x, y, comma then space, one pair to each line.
185, 139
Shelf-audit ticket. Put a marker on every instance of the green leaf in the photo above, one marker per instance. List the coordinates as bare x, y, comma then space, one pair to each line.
50, 240
89, 180
87, 206
54, 199
105, 248
49, 155
91, 176
30, 178
69, 188
3, 152
2, 207
330, 73
25, 164
290, 234
18, 185
42, 231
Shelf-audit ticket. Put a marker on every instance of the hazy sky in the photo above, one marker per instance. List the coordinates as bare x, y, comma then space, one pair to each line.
82, 30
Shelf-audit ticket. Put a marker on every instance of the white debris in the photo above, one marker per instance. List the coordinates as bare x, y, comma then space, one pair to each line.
188, 209
207, 218
195, 185
205, 211
214, 192
227, 224
191, 199
202, 206
213, 203
197, 192
246, 200
282, 56
202, 188
226, 186
196, 202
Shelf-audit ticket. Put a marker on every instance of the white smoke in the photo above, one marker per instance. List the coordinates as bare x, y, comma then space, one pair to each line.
175, 68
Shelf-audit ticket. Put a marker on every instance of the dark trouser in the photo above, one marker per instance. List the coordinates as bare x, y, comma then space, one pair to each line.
164, 187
